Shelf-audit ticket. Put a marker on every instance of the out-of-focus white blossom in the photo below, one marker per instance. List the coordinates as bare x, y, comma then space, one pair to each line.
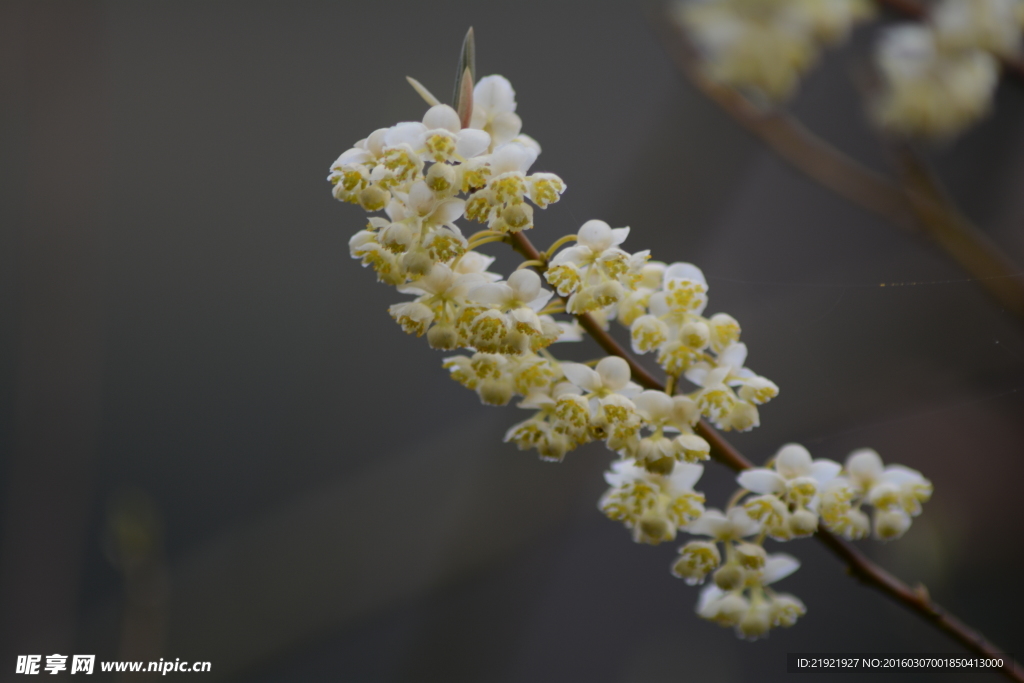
929, 91
992, 25
765, 46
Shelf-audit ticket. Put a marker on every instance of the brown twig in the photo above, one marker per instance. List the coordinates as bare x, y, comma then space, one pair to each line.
915, 10
918, 206
917, 601
954, 232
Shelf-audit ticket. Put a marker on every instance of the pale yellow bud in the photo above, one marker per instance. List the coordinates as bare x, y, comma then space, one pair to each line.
443, 337
803, 522
373, 198
729, 577
756, 622
441, 178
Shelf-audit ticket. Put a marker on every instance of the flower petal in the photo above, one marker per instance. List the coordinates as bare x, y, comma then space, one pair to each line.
614, 372
824, 470
472, 143
864, 465
685, 475
778, 566
655, 406
711, 523
447, 211
596, 234
684, 271
505, 126
495, 293
408, 133
734, 355
761, 480
494, 94
442, 116
525, 283
793, 460
582, 376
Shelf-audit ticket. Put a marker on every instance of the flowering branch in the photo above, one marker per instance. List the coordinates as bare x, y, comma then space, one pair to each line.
1013, 66
919, 205
917, 600
472, 161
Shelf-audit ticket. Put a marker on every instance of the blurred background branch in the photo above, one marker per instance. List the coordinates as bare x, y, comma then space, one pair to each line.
917, 204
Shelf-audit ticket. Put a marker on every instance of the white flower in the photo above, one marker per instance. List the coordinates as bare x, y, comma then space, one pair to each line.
475, 262
891, 486
753, 617
930, 92
440, 136
501, 201
441, 286
696, 560
794, 475
595, 239
610, 376
988, 24
683, 290
522, 290
494, 106
732, 526
654, 507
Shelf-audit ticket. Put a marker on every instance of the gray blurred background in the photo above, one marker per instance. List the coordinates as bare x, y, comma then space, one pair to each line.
218, 446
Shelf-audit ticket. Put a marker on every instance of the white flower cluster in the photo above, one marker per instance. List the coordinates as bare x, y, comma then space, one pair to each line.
426, 175
783, 502
765, 46
940, 77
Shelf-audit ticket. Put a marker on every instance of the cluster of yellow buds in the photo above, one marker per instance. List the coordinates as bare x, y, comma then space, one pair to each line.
764, 46
474, 162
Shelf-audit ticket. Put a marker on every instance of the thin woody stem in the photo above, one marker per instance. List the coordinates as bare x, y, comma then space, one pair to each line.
916, 600
915, 10
918, 206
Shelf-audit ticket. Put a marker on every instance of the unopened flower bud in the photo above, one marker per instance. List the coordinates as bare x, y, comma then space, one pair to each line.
729, 577
440, 178
662, 466
756, 622
653, 528
495, 392
891, 524
518, 216
442, 336
742, 418
726, 610
803, 522
373, 198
